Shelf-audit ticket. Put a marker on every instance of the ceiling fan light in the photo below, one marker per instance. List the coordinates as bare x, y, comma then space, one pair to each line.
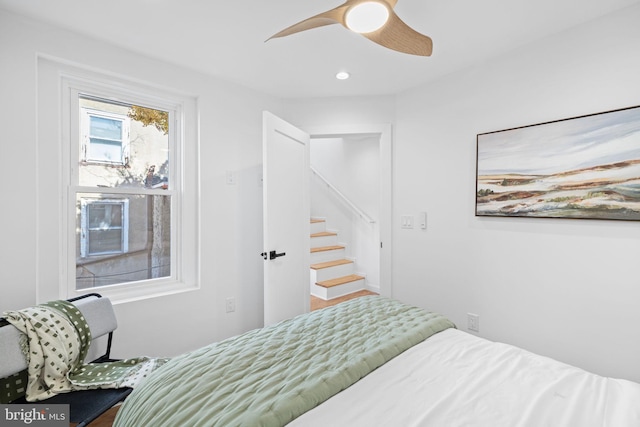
367, 17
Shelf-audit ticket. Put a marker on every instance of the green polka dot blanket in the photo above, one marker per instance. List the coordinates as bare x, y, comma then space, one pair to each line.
55, 342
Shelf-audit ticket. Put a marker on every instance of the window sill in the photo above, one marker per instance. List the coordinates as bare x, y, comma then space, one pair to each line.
119, 294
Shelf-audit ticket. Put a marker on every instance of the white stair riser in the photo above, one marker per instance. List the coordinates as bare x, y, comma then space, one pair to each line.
317, 242
318, 227
333, 272
324, 256
337, 291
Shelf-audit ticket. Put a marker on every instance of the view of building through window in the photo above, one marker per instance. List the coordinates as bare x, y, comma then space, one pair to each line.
123, 194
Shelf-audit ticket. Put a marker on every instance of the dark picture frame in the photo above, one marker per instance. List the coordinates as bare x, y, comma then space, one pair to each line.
585, 167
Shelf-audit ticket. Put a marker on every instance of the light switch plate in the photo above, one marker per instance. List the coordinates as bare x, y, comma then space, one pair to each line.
423, 220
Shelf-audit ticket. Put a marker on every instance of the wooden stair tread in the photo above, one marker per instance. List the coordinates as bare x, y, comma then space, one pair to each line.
340, 281
321, 265
324, 234
326, 248
314, 220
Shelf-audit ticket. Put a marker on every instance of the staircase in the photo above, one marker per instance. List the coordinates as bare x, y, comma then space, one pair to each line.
332, 275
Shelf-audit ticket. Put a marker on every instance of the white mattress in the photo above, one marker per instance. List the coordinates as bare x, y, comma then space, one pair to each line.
457, 379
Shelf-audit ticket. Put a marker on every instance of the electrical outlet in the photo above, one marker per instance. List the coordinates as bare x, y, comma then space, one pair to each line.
231, 177
473, 322
231, 305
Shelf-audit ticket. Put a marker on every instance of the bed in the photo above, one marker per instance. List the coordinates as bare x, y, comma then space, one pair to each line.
374, 361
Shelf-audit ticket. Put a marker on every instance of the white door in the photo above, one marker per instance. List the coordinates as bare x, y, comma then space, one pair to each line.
286, 216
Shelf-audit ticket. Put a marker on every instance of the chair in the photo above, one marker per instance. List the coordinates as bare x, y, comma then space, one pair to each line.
84, 405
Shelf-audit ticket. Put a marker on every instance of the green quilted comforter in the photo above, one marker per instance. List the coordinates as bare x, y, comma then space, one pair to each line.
269, 376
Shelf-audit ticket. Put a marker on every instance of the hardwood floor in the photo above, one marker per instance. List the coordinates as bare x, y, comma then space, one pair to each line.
106, 419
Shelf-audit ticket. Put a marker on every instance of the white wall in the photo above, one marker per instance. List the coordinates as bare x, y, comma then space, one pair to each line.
568, 289
352, 165
309, 114
231, 215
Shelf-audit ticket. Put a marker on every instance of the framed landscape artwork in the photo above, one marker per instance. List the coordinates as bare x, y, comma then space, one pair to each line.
585, 167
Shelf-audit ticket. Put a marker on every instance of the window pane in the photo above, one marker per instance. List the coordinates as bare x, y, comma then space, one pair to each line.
105, 241
123, 145
104, 215
101, 150
102, 127
122, 238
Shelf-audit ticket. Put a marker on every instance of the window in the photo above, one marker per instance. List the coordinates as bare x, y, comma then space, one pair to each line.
105, 137
127, 192
105, 227
108, 252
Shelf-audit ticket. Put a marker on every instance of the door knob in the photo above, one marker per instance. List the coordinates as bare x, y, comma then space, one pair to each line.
274, 255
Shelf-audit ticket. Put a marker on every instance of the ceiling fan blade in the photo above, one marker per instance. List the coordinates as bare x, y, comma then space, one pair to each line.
397, 35
333, 16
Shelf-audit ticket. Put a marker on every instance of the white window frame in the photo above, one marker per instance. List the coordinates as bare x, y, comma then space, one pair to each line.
87, 114
85, 230
183, 183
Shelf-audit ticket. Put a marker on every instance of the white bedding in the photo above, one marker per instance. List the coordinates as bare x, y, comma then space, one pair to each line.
457, 379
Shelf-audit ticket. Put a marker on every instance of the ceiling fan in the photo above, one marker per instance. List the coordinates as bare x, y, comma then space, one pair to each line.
375, 20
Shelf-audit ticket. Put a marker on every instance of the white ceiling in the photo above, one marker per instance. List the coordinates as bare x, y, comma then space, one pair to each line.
227, 39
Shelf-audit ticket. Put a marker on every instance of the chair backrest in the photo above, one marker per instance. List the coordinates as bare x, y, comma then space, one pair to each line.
13, 361
97, 311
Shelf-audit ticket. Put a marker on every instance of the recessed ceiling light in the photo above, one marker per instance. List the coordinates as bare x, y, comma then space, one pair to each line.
342, 75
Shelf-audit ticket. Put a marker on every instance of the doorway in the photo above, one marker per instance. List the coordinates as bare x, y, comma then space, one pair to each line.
383, 134
284, 270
